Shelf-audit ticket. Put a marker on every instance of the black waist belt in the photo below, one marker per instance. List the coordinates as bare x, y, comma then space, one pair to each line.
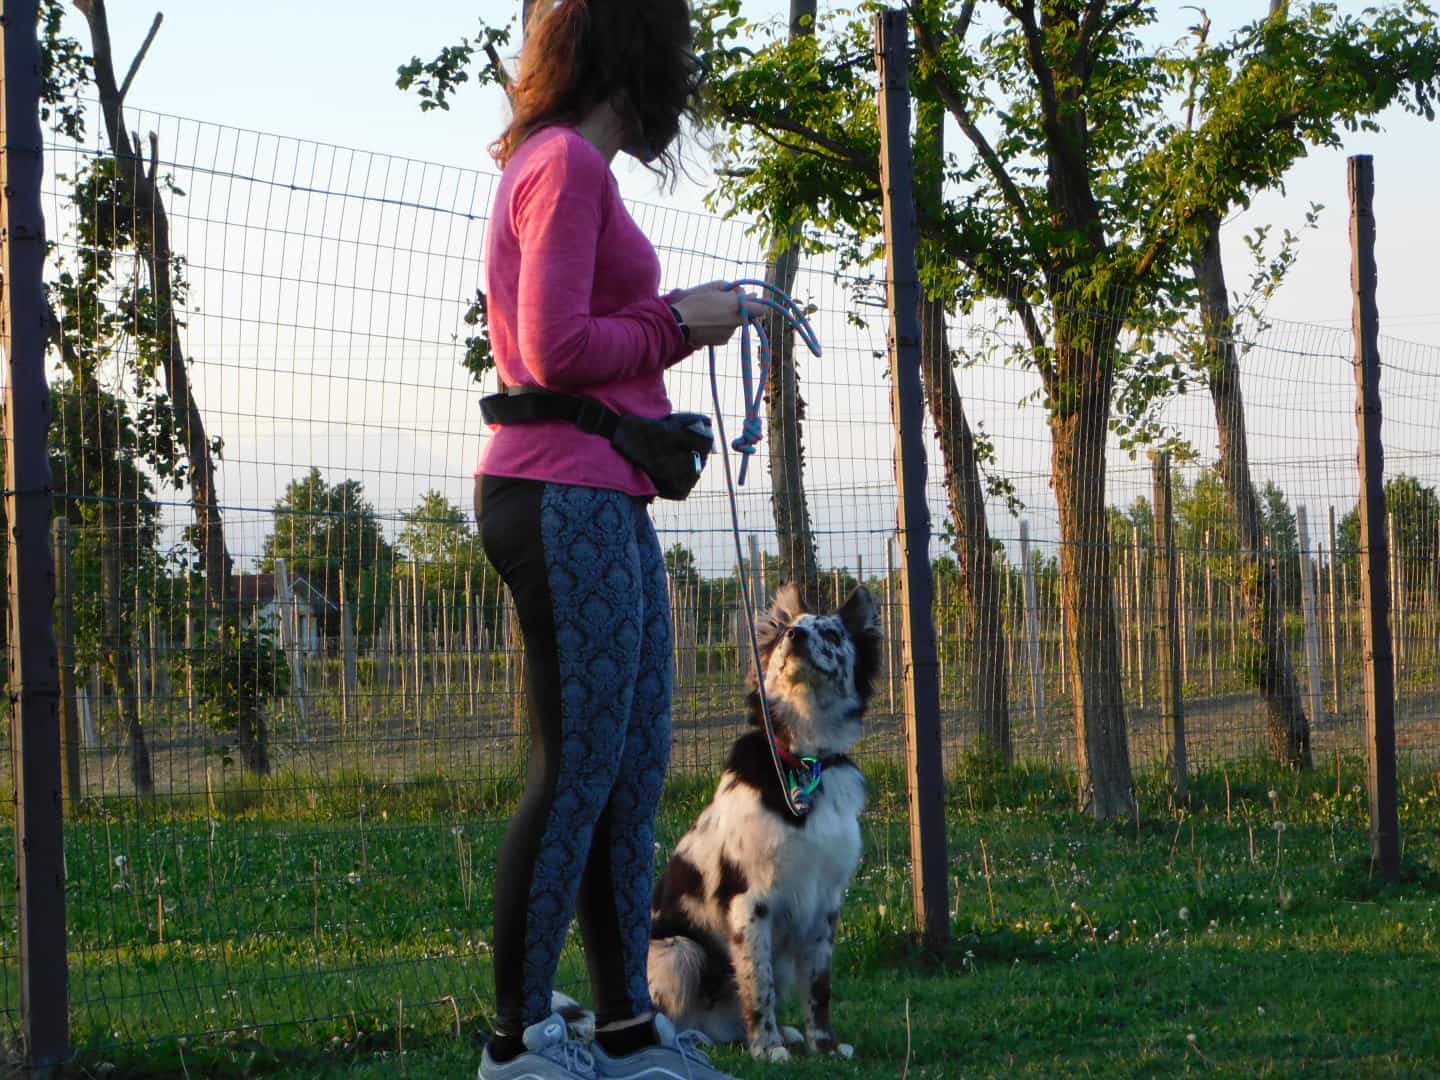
671, 450
524, 404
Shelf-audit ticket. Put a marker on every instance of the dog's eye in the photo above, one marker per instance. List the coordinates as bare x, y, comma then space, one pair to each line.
830, 634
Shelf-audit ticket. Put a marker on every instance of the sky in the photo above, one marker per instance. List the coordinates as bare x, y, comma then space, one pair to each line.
323, 69
286, 394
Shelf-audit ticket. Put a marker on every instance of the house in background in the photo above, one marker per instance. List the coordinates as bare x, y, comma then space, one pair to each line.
313, 611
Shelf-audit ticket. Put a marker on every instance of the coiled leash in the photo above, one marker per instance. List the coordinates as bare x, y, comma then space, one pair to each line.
801, 780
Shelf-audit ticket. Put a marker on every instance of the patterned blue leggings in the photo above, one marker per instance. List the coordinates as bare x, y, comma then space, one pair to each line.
588, 580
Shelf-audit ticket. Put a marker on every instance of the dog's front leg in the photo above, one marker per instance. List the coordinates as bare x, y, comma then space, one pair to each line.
819, 1036
751, 937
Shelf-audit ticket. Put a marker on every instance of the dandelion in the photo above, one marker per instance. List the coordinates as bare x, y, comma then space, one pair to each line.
1184, 914
1192, 1039
1279, 826
1260, 1010
120, 862
353, 877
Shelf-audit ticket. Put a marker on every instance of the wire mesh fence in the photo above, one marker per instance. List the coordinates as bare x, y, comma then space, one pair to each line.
288, 716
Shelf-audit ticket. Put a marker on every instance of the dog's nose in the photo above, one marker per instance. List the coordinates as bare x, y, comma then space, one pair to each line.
795, 633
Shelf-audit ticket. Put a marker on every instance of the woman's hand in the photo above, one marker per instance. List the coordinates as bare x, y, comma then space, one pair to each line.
713, 312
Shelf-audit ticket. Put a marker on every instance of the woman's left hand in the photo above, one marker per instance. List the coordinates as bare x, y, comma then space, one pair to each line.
680, 294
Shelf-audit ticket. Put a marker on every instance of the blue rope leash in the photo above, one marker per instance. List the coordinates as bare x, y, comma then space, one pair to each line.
798, 791
752, 430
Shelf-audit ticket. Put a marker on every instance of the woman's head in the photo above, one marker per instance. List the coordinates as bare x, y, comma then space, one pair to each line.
632, 54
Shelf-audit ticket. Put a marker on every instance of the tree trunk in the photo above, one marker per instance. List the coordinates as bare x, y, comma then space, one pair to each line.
785, 410
1269, 664
254, 742
1079, 402
152, 231
118, 658
987, 680
786, 414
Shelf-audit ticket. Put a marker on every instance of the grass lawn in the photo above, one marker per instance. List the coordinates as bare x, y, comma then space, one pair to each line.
1243, 937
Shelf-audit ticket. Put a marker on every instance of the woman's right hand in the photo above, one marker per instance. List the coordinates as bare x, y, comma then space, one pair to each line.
712, 312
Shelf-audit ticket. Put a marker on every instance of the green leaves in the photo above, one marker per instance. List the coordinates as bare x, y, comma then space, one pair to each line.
436, 80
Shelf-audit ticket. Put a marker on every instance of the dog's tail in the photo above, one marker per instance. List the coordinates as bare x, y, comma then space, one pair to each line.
677, 965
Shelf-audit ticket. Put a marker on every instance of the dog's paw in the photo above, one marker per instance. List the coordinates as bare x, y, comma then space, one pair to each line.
773, 1054
580, 1020
792, 1036
826, 1044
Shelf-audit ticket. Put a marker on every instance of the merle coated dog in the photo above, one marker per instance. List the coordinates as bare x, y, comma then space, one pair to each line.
745, 913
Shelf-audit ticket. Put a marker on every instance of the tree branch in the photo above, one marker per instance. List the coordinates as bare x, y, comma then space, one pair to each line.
836, 150
140, 56
955, 105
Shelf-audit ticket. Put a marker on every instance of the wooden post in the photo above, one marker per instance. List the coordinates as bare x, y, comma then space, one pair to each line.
417, 642
349, 677
1167, 628
41, 966
1032, 633
1187, 628
892, 623
285, 602
1336, 676
1312, 621
471, 701
70, 782
1142, 644
930, 875
1397, 607
1210, 612
1374, 543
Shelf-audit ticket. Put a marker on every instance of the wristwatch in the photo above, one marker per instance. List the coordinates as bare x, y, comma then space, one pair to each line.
680, 322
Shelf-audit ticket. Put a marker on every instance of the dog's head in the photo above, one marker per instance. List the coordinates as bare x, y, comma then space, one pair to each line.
819, 670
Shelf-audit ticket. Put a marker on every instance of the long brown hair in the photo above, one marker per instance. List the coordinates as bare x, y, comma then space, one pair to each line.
582, 53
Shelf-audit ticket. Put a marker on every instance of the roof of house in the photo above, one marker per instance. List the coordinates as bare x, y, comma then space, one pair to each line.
260, 588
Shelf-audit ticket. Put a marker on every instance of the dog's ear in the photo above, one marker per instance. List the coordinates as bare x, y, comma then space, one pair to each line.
860, 614
862, 622
784, 610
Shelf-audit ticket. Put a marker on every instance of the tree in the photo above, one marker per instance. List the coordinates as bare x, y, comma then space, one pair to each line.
127, 195
1079, 208
1414, 511
326, 532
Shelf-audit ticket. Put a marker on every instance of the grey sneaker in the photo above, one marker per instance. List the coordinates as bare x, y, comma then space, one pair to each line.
678, 1057
550, 1054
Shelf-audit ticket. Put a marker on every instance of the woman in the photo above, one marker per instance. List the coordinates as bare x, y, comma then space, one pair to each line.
574, 307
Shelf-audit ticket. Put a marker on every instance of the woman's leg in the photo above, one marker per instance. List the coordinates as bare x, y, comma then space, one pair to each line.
568, 556
614, 907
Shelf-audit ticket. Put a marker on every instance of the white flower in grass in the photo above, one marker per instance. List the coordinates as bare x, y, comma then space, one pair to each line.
353, 877
1279, 827
1184, 914
120, 862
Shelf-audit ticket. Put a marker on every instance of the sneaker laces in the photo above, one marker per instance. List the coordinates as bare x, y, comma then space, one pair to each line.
689, 1042
570, 1054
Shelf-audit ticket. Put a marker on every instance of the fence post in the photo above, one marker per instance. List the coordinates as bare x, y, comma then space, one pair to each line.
1032, 633
349, 675
1334, 622
1210, 611
1374, 543
921, 693
69, 711
1167, 627
285, 601
34, 663
1312, 619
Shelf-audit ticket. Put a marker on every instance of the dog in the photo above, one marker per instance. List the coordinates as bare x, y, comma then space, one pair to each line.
745, 913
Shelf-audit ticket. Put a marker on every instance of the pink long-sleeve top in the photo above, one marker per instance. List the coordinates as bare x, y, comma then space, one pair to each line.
574, 306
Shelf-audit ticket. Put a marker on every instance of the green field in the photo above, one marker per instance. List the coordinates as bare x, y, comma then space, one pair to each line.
1245, 937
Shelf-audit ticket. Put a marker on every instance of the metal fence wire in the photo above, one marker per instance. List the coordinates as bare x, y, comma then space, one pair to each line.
269, 778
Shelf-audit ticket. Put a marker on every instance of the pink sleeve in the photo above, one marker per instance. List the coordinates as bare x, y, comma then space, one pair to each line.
558, 209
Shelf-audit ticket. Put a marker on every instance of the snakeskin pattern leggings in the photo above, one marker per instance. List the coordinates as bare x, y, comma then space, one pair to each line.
588, 579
